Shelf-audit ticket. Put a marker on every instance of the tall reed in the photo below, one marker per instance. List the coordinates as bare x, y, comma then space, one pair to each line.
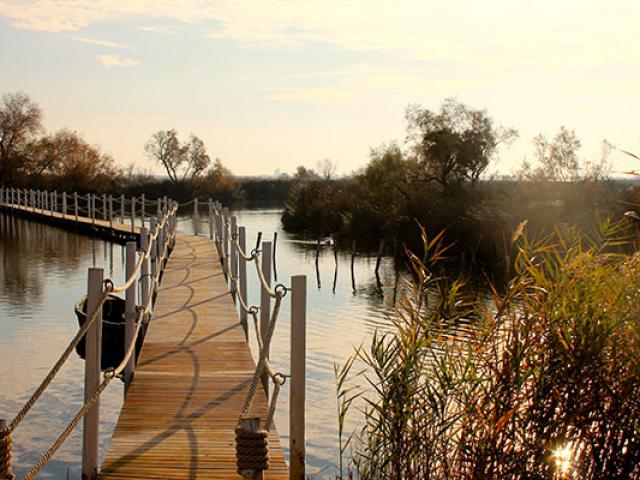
541, 382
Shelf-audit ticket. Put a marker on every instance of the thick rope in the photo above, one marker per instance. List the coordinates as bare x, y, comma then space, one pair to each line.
261, 362
5, 454
252, 450
67, 431
63, 358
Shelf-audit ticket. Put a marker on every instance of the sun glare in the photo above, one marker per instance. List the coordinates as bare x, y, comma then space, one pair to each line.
563, 457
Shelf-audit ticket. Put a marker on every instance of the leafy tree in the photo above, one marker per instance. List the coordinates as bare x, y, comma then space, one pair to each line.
20, 122
304, 173
76, 164
454, 144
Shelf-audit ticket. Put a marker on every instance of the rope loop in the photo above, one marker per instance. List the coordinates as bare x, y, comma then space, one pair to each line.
280, 378
108, 285
281, 290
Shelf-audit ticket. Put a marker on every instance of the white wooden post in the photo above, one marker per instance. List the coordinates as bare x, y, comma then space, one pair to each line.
75, 205
159, 202
196, 219
133, 214
154, 247
122, 209
144, 244
159, 264
219, 238
265, 304
130, 312
104, 207
111, 211
64, 204
225, 242
234, 258
242, 239
210, 220
92, 207
298, 377
142, 210
93, 347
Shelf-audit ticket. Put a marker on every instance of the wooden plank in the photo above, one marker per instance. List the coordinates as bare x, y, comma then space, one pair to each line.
193, 373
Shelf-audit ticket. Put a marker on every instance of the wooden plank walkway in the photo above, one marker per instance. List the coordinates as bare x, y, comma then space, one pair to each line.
193, 373
116, 231
178, 418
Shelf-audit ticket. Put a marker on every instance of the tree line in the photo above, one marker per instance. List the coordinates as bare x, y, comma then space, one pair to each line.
438, 179
64, 160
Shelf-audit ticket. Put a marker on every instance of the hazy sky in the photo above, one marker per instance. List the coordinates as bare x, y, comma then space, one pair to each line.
275, 84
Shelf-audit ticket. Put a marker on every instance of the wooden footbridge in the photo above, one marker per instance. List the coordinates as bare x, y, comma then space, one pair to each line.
196, 404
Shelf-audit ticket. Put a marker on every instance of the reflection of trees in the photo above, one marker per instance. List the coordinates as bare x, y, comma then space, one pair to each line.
31, 252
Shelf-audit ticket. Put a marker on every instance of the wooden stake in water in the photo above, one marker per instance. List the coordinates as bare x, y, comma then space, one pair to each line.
298, 377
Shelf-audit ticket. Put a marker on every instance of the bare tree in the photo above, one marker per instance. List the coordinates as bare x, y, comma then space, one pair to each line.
197, 158
181, 161
20, 122
326, 168
164, 147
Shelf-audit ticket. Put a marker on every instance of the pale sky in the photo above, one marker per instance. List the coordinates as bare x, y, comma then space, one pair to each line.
275, 84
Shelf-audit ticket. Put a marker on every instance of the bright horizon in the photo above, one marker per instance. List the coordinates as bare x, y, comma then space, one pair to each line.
276, 84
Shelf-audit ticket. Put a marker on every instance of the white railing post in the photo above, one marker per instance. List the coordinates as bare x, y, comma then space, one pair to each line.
159, 264
104, 207
142, 210
133, 214
111, 211
93, 355
234, 258
298, 377
218, 221
225, 242
144, 284
242, 239
130, 312
122, 209
265, 304
154, 247
75, 205
210, 220
64, 204
92, 207
196, 217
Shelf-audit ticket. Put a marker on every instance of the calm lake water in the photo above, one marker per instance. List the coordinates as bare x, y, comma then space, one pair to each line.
43, 272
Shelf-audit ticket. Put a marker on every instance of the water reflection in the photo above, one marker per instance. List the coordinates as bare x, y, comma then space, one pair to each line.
42, 273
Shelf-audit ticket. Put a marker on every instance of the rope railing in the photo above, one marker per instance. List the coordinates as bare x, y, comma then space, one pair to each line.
164, 232
252, 433
94, 207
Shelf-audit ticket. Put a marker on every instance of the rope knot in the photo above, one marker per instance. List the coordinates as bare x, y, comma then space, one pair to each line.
252, 450
5, 452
